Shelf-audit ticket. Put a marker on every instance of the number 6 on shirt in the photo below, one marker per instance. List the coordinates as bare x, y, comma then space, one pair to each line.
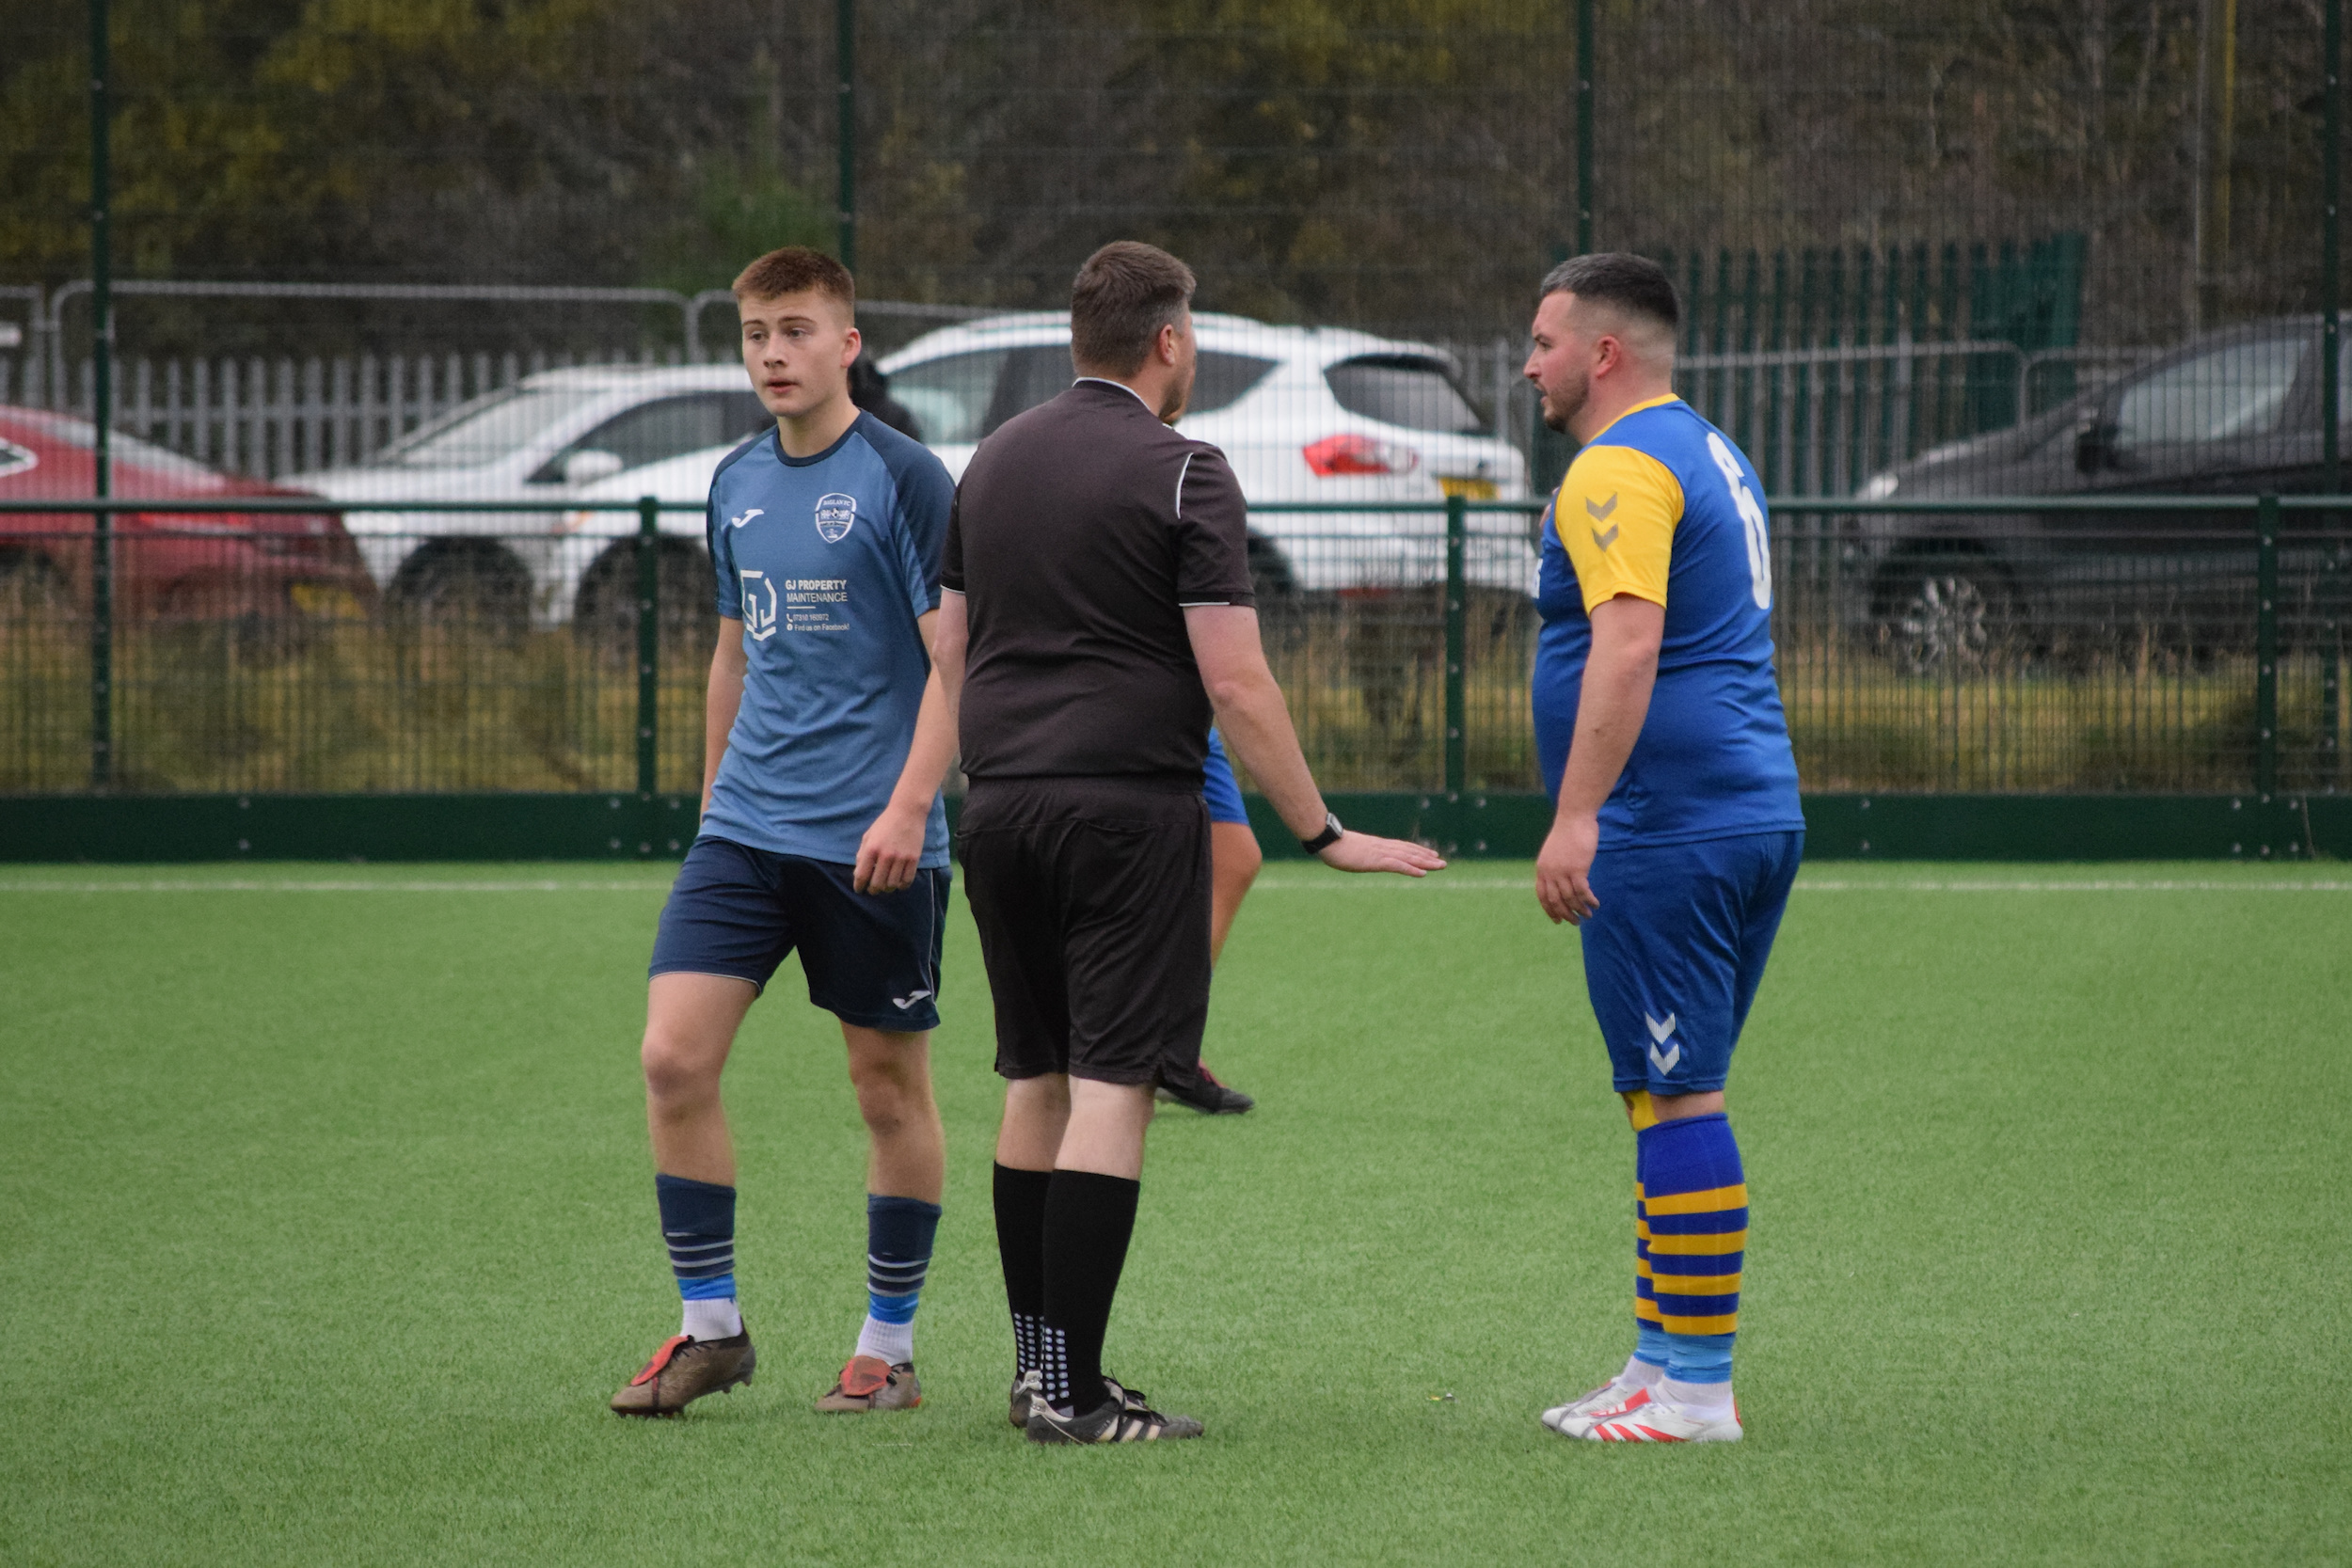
1751, 513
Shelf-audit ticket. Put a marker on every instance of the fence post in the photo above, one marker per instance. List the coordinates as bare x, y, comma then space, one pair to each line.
1583, 127
2266, 648
101, 563
648, 668
2330, 379
845, 131
1456, 770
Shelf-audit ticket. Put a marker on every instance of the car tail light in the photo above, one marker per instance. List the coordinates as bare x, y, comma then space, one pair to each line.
1335, 455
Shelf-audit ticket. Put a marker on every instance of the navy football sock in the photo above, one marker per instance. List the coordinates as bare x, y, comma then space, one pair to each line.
898, 1234
698, 1226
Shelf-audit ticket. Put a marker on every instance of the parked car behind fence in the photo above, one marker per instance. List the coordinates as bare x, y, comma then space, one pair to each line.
258, 567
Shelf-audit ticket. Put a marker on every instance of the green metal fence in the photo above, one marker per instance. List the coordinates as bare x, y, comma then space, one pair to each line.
2012, 647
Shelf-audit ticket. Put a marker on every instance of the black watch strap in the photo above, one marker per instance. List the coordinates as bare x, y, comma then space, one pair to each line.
1323, 840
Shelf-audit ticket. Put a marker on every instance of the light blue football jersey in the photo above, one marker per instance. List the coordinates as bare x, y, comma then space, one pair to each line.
828, 562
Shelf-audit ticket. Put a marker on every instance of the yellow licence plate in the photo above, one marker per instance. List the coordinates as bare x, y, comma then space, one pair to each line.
1469, 489
325, 601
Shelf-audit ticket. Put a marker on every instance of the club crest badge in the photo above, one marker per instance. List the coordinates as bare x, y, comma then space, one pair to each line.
835, 513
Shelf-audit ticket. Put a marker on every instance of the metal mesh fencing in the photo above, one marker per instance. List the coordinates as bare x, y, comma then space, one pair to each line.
2002, 258
2077, 651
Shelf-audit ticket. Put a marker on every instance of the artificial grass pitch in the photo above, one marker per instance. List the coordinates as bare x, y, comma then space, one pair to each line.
328, 1230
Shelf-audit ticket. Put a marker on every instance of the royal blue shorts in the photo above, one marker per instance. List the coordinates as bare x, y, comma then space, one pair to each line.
1219, 786
1673, 958
871, 959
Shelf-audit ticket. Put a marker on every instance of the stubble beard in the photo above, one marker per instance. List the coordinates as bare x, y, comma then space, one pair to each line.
1561, 407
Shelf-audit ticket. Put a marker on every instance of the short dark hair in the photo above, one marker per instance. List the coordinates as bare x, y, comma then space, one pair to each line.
1632, 283
1126, 292
796, 269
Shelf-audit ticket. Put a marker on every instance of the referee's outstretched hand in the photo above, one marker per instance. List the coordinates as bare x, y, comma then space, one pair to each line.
1354, 851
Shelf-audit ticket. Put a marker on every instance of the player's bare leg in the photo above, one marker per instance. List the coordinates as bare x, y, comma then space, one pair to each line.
892, 1075
1234, 859
906, 1163
690, 1022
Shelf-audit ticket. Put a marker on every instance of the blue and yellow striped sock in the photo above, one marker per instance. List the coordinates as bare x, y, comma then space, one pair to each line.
1649, 1335
1697, 1198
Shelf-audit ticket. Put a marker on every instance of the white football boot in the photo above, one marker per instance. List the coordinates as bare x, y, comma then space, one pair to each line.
1625, 1390
1656, 1421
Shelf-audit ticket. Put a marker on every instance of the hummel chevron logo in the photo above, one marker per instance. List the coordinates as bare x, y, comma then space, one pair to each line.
755, 511
903, 1003
1658, 1033
1601, 512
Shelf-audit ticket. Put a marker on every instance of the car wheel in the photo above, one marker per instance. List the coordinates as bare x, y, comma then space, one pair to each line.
1944, 614
604, 616
460, 589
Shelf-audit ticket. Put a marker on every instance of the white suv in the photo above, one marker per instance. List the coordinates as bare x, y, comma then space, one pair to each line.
1304, 414
541, 444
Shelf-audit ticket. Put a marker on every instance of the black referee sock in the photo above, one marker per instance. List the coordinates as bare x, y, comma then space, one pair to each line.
1020, 1245
1088, 1219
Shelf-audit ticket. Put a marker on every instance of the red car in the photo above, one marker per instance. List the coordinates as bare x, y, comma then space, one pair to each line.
177, 566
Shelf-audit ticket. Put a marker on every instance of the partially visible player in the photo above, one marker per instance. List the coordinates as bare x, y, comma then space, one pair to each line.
1234, 861
1659, 724
826, 739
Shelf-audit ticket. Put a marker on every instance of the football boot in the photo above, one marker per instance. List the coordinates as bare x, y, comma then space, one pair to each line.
1206, 1095
869, 1382
683, 1370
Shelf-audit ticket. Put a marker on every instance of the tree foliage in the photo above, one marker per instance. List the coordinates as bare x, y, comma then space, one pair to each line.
1388, 161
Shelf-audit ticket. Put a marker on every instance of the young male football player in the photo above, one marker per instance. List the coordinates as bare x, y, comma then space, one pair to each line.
1659, 724
826, 739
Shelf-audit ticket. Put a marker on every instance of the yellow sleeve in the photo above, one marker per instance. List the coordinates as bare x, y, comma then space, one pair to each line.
1615, 517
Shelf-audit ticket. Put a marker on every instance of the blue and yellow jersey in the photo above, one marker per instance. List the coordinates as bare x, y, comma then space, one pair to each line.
1662, 506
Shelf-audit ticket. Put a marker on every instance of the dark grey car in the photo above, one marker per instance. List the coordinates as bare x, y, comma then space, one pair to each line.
2230, 413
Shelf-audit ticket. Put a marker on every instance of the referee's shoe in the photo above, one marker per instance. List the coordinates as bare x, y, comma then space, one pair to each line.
1207, 1096
1124, 1416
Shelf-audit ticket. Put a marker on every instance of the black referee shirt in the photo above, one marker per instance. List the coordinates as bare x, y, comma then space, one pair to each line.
1081, 532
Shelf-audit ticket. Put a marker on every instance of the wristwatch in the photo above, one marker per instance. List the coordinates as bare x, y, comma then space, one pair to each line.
1323, 840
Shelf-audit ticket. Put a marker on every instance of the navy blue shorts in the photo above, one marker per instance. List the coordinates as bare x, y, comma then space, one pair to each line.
1673, 958
871, 959
1219, 786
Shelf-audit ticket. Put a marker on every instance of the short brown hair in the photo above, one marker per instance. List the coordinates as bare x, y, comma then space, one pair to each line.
796, 269
1126, 292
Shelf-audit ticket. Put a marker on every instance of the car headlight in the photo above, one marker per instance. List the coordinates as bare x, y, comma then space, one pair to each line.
1878, 487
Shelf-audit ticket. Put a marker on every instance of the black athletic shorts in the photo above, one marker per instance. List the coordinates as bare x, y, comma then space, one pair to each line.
872, 958
1093, 900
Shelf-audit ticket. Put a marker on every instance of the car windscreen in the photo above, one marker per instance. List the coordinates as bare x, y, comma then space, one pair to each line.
1224, 379
1407, 389
2238, 389
489, 428
667, 427
950, 396
122, 448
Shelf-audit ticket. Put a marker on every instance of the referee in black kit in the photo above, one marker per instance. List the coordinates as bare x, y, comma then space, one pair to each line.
1097, 609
